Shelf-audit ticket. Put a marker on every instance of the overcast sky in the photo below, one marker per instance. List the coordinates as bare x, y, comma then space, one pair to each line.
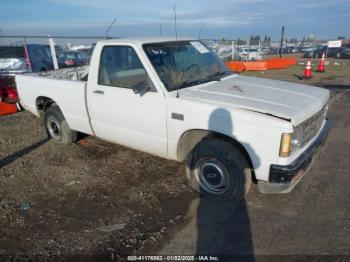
219, 18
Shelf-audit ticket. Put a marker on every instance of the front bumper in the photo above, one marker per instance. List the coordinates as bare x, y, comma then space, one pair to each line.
282, 179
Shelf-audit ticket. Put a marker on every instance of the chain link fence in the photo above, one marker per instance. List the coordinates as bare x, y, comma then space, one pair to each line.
27, 54
19, 54
35, 54
23, 54
234, 50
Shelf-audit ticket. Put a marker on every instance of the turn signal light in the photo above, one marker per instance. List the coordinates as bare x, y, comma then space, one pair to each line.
286, 145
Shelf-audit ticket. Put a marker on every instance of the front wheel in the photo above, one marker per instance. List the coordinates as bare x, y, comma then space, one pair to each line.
216, 168
57, 128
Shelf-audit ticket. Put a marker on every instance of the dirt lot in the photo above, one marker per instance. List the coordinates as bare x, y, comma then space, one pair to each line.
94, 200
336, 70
90, 198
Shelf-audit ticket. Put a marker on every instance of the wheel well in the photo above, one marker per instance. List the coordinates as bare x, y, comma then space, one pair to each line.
42, 103
191, 138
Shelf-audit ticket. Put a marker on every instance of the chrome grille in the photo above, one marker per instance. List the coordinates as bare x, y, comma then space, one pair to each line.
312, 125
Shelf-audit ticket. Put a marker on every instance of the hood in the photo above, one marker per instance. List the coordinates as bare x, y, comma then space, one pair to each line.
294, 102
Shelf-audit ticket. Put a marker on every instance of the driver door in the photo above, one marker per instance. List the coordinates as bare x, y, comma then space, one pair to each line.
124, 105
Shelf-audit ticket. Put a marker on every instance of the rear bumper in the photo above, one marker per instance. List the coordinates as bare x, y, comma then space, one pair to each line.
283, 178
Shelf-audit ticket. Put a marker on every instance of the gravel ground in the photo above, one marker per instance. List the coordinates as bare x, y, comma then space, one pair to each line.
94, 201
90, 198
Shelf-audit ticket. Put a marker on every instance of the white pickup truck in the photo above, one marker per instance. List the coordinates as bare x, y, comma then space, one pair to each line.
177, 100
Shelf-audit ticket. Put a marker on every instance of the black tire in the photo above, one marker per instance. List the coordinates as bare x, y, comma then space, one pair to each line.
216, 168
56, 126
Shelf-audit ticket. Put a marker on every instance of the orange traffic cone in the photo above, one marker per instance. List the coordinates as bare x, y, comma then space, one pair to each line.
307, 71
321, 66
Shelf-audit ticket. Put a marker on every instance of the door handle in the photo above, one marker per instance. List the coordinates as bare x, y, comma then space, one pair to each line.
100, 92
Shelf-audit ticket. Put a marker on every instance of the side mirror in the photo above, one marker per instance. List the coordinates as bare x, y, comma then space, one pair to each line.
141, 90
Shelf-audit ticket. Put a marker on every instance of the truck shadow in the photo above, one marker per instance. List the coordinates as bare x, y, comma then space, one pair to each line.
339, 86
223, 226
223, 229
11, 158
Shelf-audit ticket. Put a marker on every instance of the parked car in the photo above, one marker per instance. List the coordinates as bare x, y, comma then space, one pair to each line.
71, 58
318, 51
47, 48
20, 59
335, 52
345, 53
291, 49
273, 51
315, 52
17, 60
176, 99
248, 54
306, 49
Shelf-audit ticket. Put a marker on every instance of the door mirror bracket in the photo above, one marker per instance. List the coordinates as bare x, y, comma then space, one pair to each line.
141, 90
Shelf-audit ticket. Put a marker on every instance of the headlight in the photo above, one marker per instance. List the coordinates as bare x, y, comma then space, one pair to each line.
297, 139
291, 142
303, 133
286, 145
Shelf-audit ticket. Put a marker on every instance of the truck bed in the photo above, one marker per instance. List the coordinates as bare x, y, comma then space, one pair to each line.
65, 87
71, 73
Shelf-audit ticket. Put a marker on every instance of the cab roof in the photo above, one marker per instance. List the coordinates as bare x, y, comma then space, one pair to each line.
147, 40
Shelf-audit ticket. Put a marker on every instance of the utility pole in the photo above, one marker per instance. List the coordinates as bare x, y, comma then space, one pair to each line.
282, 38
160, 29
233, 50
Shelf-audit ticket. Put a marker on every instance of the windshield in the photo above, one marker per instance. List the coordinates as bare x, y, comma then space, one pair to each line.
185, 63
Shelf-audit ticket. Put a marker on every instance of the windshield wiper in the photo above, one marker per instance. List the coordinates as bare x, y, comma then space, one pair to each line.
213, 77
186, 83
217, 76
223, 73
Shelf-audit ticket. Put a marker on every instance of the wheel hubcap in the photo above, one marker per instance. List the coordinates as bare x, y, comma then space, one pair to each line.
212, 176
54, 127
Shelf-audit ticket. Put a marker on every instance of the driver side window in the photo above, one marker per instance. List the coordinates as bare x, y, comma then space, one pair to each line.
121, 67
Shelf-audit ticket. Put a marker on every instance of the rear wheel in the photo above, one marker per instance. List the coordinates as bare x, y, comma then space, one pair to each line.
56, 126
216, 168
